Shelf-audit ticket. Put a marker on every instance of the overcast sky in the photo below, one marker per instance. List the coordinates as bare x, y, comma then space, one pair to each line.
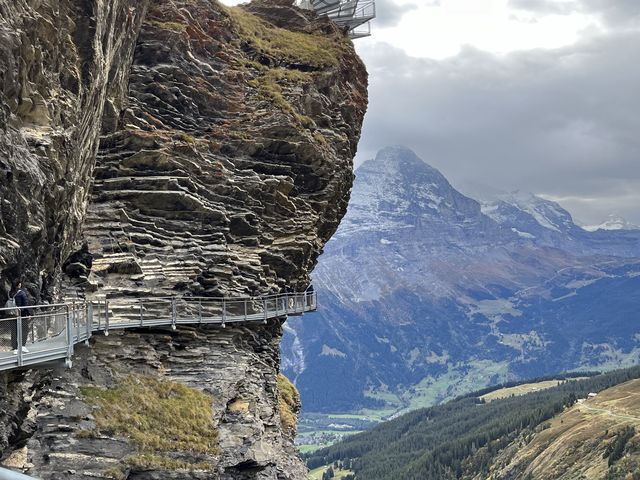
535, 95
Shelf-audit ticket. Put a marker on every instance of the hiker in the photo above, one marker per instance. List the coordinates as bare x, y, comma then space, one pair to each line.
22, 300
292, 300
309, 291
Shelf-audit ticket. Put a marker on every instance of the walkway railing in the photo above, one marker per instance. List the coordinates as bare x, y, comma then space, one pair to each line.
355, 15
6, 474
44, 333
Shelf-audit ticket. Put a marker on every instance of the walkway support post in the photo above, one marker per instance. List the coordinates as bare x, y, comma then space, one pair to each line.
76, 317
173, 314
89, 322
19, 337
106, 317
68, 361
264, 308
224, 312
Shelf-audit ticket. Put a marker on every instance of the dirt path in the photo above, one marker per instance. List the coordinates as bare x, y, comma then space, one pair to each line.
610, 413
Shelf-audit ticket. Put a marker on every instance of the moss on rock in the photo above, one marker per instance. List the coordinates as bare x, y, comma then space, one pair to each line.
288, 404
158, 416
310, 49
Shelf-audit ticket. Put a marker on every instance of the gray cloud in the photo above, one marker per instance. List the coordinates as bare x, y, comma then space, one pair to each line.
389, 13
614, 12
559, 122
546, 6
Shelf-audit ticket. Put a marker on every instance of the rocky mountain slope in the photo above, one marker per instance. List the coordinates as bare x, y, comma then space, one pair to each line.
427, 293
160, 148
597, 438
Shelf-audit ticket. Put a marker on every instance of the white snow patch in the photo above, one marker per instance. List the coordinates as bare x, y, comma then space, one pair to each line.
576, 284
523, 234
613, 222
327, 351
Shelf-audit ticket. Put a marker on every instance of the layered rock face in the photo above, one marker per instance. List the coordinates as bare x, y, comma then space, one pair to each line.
59, 62
228, 170
224, 166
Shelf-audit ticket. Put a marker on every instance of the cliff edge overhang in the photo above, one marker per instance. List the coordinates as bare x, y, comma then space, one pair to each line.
168, 148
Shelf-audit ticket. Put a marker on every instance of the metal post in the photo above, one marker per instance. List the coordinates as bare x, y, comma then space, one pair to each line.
76, 316
89, 322
68, 361
199, 311
106, 317
264, 307
224, 311
173, 313
141, 315
19, 337
246, 301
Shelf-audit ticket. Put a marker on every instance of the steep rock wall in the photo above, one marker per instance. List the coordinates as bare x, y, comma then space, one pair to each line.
229, 169
223, 168
59, 61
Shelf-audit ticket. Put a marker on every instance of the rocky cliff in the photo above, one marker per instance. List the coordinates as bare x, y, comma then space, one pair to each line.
168, 147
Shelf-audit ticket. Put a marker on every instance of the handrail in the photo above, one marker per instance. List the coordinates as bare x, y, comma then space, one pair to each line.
51, 331
349, 14
43, 305
6, 474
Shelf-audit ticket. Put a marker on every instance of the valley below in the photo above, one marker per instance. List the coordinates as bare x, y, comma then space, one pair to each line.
564, 429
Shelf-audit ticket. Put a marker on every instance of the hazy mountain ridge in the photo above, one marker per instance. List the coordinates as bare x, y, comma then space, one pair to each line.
421, 280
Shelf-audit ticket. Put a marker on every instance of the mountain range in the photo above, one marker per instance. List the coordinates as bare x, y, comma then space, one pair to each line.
426, 293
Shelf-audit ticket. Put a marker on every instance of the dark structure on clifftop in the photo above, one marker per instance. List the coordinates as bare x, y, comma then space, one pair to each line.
353, 15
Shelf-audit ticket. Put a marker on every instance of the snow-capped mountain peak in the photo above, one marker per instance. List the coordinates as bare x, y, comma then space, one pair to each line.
398, 190
529, 213
613, 222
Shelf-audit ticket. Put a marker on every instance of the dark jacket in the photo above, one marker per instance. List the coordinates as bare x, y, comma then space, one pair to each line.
22, 300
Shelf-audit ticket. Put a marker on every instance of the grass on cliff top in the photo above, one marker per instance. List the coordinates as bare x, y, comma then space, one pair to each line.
158, 416
288, 403
279, 43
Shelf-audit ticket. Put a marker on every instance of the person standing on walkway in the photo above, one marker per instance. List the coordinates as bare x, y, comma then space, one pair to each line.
21, 298
309, 291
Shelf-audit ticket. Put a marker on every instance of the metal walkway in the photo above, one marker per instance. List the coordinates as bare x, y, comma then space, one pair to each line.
353, 15
50, 332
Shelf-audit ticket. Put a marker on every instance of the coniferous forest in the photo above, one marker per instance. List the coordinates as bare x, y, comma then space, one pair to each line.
458, 439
